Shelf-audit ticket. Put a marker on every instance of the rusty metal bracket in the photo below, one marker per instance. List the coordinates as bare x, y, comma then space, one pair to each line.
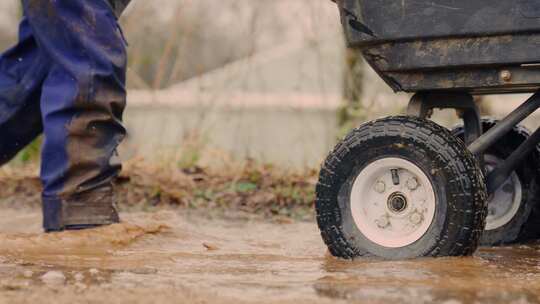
422, 105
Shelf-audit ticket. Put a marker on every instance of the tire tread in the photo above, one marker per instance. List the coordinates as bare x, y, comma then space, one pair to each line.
465, 171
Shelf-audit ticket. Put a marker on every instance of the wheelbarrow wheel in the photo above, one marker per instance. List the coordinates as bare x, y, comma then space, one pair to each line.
510, 206
398, 188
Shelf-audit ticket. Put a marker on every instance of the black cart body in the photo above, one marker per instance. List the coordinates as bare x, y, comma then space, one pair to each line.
481, 46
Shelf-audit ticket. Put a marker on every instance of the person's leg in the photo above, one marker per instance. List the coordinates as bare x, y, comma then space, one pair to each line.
22, 71
82, 103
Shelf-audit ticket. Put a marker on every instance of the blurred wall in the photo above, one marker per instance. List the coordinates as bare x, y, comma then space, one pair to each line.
251, 79
9, 16
233, 79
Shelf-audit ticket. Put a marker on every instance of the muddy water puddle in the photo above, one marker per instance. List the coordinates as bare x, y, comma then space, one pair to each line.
167, 257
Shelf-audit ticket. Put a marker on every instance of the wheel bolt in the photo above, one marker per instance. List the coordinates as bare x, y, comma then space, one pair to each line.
380, 187
416, 218
412, 184
383, 222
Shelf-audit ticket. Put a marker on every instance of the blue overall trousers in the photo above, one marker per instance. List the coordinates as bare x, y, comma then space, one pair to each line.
66, 79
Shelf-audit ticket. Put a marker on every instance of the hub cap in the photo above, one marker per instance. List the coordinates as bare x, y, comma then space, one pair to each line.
393, 202
504, 204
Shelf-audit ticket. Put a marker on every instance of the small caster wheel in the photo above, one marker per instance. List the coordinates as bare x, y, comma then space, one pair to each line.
509, 208
400, 188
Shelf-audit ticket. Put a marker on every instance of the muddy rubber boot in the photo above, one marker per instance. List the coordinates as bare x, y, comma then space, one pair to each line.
86, 210
90, 210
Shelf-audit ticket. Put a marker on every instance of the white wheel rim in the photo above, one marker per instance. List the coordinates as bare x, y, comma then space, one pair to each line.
375, 196
504, 204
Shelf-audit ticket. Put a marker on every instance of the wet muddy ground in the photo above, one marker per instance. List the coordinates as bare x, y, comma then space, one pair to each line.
174, 257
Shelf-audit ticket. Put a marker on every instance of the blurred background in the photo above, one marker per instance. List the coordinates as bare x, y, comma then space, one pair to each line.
267, 80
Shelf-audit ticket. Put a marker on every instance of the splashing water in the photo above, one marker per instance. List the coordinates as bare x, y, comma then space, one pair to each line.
169, 257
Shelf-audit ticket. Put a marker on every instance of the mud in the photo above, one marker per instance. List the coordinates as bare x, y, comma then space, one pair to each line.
176, 257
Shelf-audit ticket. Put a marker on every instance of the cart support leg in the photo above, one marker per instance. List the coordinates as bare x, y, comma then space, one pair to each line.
423, 103
485, 141
498, 176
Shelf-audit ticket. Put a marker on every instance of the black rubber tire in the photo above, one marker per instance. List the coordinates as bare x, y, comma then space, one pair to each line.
455, 174
510, 232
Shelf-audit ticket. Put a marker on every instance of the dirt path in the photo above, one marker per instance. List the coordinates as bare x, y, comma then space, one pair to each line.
165, 257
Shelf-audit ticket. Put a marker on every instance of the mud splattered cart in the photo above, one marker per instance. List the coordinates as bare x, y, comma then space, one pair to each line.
405, 187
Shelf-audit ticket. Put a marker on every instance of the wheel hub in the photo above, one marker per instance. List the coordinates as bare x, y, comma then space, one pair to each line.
397, 202
393, 202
